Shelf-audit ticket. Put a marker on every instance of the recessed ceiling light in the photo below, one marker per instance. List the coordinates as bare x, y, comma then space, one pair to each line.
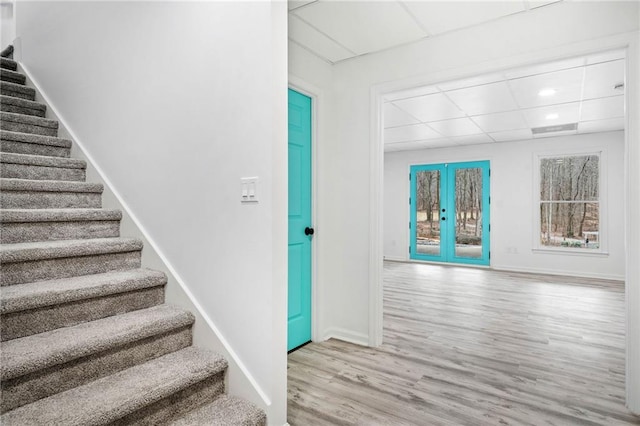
551, 116
547, 92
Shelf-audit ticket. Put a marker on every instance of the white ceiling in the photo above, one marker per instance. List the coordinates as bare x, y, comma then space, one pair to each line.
336, 30
507, 106
496, 107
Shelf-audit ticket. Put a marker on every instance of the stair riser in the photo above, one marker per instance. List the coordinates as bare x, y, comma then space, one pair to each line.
176, 405
17, 109
19, 92
14, 126
41, 384
8, 64
49, 269
33, 321
12, 78
54, 231
15, 147
49, 200
29, 171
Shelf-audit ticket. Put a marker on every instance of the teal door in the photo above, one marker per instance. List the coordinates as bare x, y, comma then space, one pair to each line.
449, 208
300, 227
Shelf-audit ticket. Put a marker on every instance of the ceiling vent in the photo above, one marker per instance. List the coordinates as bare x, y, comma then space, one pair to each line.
553, 129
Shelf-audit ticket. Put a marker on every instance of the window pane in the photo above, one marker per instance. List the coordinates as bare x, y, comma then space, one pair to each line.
569, 178
572, 225
428, 212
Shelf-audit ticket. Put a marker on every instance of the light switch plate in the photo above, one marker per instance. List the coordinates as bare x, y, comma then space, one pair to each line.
249, 190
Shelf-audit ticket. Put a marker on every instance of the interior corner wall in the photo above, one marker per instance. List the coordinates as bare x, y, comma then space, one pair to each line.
175, 102
345, 173
512, 202
7, 24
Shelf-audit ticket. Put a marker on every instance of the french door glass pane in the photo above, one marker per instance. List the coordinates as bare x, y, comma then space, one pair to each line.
428, 212
468, 213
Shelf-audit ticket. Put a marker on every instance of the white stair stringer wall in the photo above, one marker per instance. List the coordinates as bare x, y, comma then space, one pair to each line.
239, 381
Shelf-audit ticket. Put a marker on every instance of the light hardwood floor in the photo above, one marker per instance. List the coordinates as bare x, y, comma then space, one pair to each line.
465, 346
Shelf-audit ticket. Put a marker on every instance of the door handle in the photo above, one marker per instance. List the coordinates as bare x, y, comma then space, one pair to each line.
444, 218
308, 231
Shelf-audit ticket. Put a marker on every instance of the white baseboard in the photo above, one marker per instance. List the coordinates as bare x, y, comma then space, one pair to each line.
395, 259
563, 273
346, 335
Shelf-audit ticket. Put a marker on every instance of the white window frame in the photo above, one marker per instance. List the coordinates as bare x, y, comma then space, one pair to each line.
602, 201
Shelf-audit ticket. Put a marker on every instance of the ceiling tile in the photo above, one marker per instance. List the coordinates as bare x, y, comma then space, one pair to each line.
567, 83
439, 143
567, 113
309, 37
456, 127
609, 55
544, 68
394, 116
600, 79
472, 139
363, 26
539, 3
409, 133
411, 93
469, 82
598, 109
430, 107
601, 125
512, 135
484, 99
440, 16
500, 121
294, 4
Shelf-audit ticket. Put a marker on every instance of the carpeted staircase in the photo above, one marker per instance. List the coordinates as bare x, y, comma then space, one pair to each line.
86, 336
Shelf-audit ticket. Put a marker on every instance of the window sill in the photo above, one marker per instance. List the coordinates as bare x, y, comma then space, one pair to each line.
571, 252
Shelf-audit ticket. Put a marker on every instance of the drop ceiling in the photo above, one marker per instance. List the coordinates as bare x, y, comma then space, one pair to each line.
336, 30
568, 97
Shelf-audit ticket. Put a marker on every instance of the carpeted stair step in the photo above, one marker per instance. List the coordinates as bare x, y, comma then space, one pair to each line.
12, 76
7, 52
22, 106
39, 167
26, 143
17, 91
152, 393
224, 411
28, 124
8, 64
27, 225
49, 260
55, 194
41, 365
27, 309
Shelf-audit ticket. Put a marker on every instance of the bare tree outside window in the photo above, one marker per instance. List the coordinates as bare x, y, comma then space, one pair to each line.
570, 201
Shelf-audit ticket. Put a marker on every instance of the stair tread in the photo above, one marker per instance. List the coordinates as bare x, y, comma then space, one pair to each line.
34, 295
11, 184
113, 397
18, 87
6, 135
7, 63
24, 252
38, 351
22, 102
57, 215
13, 75
224, 411
42, 160
28, 119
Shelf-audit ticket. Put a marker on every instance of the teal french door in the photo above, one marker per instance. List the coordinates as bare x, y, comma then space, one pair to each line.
300, 227
449, 208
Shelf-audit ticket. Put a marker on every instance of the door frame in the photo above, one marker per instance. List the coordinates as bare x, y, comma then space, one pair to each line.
316, 96
630, 42
444, 169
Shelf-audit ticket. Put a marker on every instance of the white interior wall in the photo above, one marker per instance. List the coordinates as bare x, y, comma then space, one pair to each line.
176, 102
512, 202
7, 23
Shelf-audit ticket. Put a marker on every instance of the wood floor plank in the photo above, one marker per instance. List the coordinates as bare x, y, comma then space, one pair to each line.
471, 346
